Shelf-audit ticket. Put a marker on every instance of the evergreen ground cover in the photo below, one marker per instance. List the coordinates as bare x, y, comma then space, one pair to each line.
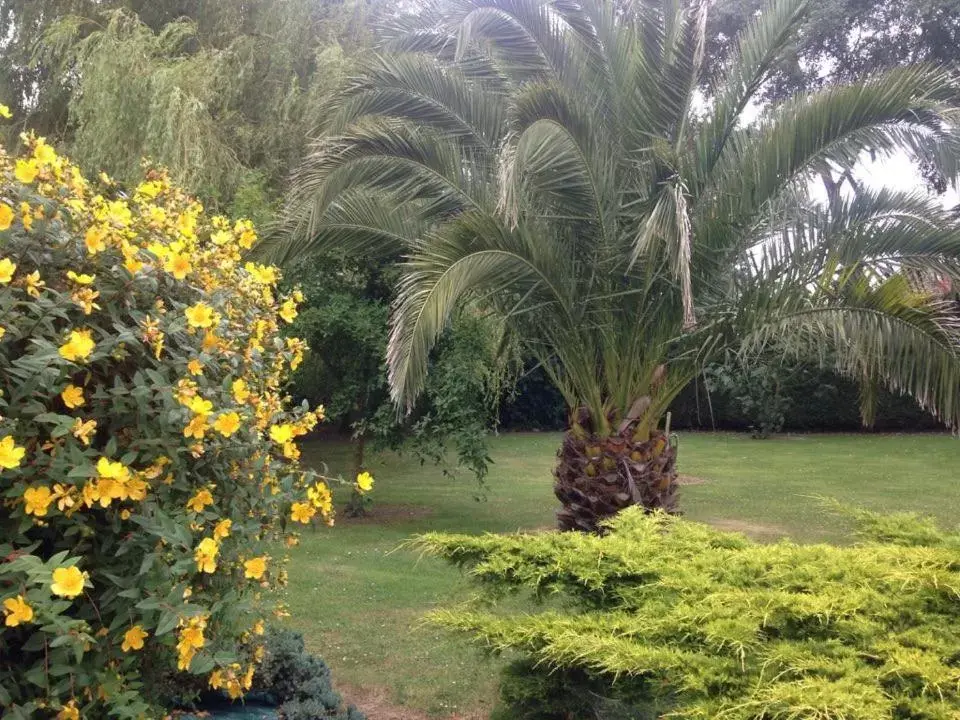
360, 602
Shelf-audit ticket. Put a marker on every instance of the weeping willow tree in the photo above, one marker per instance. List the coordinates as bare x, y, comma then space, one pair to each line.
224, 94
549, 159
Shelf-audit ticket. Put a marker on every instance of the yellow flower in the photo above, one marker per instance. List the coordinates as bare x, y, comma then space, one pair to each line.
281, 434
255, 568
34, 284
187, 224
301, 513
200, 315
65, 496
199, 501
79, 345
150, 189
17, 610
221, 237
5, 112
37, 500
26, 171
195, 367
7, 268
216, 679
262, 274
69, 711
288, 311
81, 278
258, 627
227, 423
210, 341
247, 236
178, 265
10, 453
196, 428
200, 406
222, 529
26, 216
117, 214
84, 297
137, 488
6, 216
320, 497
110, 470
94, 239
67, 582
205, 555
291, 451
364, 482
185, 657
133, 639
191, 640
72, 396
83, 431
192, 635
43, 153
240, 391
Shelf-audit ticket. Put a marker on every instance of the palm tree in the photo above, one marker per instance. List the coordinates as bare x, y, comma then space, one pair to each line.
555, 162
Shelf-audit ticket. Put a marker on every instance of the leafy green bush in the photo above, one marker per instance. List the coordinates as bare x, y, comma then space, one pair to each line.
663, 615
344, 321
759, 391
147, 453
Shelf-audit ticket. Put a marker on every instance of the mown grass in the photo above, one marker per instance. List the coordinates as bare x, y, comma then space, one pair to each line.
359, 600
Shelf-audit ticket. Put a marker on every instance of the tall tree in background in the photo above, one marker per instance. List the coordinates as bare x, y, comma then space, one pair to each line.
546, 159
222, 93
842, 40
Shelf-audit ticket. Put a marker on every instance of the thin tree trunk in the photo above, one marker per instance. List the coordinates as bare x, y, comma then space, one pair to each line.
359, 447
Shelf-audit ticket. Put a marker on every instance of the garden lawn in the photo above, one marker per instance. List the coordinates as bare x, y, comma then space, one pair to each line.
359, 599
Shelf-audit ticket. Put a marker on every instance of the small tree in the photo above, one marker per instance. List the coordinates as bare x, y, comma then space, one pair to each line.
344, 321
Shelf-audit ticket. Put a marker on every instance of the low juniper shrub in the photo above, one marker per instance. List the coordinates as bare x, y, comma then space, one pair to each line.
662, 617
299, 682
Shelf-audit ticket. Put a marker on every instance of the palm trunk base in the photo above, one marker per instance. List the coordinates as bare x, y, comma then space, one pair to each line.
596, 478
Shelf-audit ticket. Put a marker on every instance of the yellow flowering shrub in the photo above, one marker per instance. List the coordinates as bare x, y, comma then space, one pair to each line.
148, 458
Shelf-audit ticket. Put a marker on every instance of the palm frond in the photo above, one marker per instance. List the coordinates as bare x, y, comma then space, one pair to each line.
415, 86
904, 109
447, 267
758, 49
360, 222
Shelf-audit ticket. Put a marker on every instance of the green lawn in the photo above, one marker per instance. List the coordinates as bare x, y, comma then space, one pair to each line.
359, 601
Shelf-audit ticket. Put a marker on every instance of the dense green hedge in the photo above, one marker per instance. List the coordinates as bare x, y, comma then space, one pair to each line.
663, 615
819, 400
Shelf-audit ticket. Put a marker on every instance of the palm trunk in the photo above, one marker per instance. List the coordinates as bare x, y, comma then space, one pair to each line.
598, 477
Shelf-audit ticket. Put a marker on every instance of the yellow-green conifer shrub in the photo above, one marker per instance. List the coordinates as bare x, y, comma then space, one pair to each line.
668, 618
147, 454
